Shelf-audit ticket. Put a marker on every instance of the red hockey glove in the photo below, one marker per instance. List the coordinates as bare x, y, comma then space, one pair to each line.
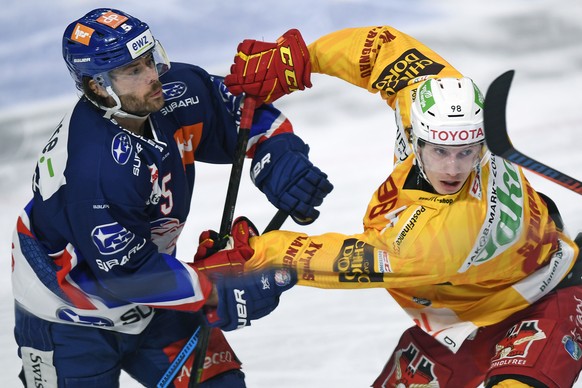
230, 260
268, 71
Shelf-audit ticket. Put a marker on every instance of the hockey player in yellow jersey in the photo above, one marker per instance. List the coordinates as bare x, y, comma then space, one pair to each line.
457, 236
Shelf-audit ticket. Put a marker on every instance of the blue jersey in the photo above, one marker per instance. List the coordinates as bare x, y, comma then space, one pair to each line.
95, 245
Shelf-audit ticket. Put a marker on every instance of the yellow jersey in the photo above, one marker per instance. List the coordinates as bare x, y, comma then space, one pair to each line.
452, 262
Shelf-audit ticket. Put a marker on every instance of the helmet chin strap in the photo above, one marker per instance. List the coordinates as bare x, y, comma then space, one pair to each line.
116, 110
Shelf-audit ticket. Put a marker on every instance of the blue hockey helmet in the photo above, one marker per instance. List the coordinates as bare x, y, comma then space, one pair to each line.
105, 39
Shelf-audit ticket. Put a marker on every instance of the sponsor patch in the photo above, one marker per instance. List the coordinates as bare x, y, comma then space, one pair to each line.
355, 263
174, 90
140, 44
38, 367
409, 66
572, 347
121, 148
82, 34
68, 315
384, 262
111, 19
426, 97
111, 238
505, 212
370, 48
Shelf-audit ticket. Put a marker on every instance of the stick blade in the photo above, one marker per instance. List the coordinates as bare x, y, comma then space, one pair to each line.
494, 122
497, 138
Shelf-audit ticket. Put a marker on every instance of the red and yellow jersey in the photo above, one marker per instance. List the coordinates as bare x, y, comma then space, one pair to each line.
453, 262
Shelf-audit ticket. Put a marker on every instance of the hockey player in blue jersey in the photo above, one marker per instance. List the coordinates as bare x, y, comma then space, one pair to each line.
97, 286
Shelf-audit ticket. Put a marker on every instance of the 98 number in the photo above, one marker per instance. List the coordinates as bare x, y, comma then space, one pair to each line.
456, 108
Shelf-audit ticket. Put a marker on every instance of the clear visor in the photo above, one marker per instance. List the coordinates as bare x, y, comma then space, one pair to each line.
142, 70
451, 160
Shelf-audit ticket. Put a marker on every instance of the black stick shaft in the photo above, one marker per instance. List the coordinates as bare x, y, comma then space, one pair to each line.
246, 122
235, 173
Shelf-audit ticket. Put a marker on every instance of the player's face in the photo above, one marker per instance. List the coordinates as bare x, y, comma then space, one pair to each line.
448, 167
138, 86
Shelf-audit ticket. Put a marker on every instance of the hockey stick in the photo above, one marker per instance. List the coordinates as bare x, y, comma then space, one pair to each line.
198, 343
246, 122
235, 173
179, 361
277, 221
498, 140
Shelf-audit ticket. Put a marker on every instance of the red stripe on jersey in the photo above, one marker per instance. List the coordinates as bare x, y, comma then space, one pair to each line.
76, 296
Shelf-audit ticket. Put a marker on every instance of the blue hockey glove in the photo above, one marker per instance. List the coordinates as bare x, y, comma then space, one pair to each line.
282, 170
251, 296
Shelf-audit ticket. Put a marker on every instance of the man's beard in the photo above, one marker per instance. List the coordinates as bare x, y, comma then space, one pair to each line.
145, 105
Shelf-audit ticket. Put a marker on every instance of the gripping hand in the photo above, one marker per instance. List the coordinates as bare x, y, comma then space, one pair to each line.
248, 297
217, 257
282, 170
268, 71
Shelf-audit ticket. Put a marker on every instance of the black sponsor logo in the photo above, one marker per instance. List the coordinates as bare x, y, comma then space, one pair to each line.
410, 65
355, 263
136, 314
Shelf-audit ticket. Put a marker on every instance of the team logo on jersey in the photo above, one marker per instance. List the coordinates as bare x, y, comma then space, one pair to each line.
156, 193
517, 342
174, 90
111, 238
121, 148
165, 232
411, 369
66, 314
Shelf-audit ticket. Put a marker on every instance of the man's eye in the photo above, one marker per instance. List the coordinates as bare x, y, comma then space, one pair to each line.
149, 60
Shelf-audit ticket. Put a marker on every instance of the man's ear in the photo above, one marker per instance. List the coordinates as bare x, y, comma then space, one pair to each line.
98, 89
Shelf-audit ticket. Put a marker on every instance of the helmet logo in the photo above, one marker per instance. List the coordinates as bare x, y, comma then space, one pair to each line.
82, 34
456, 136
426, 97
111, 19
142, 43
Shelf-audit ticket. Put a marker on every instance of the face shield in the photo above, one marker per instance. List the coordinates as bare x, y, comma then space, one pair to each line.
127, 79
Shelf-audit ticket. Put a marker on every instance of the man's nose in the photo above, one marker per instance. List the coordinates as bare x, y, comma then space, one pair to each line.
452, 165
